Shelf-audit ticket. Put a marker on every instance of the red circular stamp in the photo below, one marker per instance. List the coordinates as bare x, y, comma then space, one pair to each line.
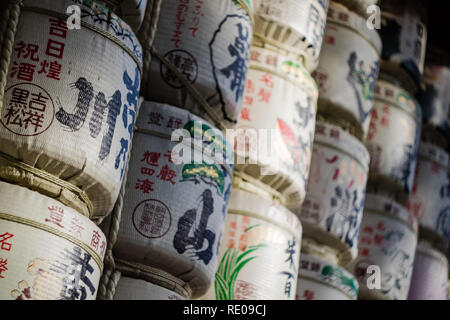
28, 109
185, 63
152, 219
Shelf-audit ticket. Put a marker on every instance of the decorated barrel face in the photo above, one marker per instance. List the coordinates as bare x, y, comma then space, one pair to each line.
430, 275
48, 251
207, 45
260, 248
278, 119
388, 240
70, 101
394, 134
404, 36
348, 68
332, 210
430, 197
435, 98
296, 25
137, 289
321, 280
176, 195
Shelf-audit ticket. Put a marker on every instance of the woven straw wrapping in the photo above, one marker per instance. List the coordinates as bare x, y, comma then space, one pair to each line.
49, 251
68, 112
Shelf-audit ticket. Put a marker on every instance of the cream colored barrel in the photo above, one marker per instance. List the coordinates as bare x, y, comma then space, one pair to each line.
260, 248
200, 57
278, 119
430, 274
348, 68
388, 239
176, 195
430, 197
320, 280
332, 211
365, 8
48, 251
404, 35
435, 98
393, 139
295, 25
136, 289
69, 106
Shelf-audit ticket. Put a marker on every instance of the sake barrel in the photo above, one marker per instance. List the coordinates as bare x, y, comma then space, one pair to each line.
131, 11
273, 143
404, 35
296, 25
364, 8
394, 135
200, 56
332, 210
176, 195
434, 97
260, 248
388, 241
69, 105
430, 197
48, 250
136, 289
319, 279
348, 68
430, 274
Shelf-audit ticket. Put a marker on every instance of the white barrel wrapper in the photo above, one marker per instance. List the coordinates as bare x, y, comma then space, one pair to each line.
435, 98
209, 43
174, 214
362, 7
321, 280
388, 239
430, 274
430, 196
278, 118
71, 97
260, 251
332, 210
137, 289
47, 251
348, 68
297, 25
404, 36
394, 135
132, 12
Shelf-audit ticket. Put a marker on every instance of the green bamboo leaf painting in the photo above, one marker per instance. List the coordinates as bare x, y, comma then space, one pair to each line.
232, 262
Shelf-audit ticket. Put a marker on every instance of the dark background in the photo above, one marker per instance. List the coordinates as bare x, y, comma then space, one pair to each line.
438, 45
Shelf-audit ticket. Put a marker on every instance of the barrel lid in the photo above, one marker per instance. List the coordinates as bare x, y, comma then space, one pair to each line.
338, 14
377, 204
24, 206
96, 17
336, 138
329, 274
175, 124
245, 200
397, 97
326, 253
435, 154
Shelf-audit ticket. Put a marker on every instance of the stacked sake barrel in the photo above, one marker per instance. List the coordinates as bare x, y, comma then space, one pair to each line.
260, 250
389, 231
68, 101
166, 229
332, 212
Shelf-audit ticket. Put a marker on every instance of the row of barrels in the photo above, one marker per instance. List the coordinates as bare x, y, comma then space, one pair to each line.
183, 214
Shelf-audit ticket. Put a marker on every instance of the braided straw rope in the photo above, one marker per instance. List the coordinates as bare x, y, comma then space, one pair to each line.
8, 27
